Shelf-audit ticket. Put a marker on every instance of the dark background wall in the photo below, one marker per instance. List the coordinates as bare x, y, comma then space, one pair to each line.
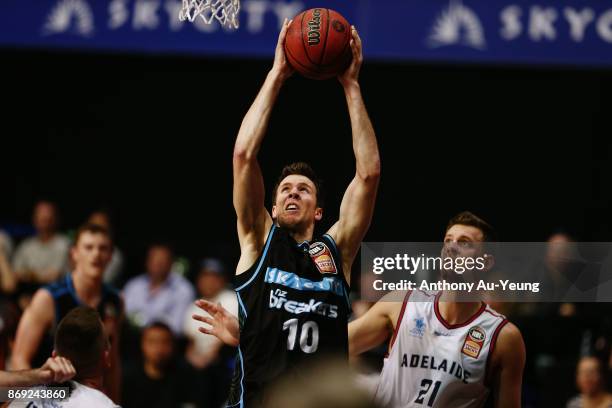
151, 138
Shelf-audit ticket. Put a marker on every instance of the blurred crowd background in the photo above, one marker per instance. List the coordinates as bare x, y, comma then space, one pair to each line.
568, 345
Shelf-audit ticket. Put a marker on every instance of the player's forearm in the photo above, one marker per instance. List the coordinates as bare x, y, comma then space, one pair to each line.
20, 361
365, 146
22, 378
255, 122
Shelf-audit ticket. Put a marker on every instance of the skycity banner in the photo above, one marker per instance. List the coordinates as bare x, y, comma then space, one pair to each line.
560, 32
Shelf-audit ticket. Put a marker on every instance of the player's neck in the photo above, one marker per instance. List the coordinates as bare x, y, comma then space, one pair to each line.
87, 289
455, 312
95, 383
302, 235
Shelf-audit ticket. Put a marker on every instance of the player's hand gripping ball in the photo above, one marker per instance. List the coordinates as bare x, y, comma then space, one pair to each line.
318, 43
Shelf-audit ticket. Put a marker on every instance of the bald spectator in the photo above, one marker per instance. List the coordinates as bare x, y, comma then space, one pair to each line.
159, 295
43, 258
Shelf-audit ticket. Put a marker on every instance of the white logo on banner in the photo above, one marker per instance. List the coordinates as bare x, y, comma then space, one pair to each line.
69, 12
457, 25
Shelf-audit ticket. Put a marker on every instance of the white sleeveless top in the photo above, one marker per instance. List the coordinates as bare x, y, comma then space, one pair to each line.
436, 364
81, 396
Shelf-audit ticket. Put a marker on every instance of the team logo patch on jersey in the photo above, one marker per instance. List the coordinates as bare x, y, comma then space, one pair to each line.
322, 257
419, 328
473, 342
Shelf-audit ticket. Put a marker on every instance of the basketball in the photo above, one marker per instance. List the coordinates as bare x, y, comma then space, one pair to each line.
318, 43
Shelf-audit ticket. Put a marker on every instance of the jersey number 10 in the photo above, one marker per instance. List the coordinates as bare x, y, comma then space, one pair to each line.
309, 335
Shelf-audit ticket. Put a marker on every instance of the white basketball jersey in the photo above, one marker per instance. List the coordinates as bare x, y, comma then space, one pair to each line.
436, 364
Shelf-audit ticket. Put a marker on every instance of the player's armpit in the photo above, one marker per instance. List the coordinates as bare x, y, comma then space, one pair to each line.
36, 320
508, 364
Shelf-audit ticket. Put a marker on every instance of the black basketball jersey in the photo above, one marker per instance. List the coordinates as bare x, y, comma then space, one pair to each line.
293, 308
65, 299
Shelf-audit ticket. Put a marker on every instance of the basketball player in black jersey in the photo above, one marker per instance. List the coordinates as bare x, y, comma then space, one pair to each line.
292, 287
91, 254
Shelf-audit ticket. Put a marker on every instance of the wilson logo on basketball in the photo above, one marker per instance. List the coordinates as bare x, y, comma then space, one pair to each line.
338, 26
314, 28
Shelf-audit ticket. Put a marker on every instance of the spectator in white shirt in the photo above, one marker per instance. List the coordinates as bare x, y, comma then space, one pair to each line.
43, 258
159, 294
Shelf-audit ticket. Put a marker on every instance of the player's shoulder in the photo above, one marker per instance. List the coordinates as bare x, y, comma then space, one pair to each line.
510, 336
509, 348
43, 298
41, 307
83, 396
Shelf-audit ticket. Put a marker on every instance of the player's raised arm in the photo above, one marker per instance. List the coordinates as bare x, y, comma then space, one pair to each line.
358, 202
249, 192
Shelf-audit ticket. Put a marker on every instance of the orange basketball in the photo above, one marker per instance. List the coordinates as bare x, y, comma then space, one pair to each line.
318, 43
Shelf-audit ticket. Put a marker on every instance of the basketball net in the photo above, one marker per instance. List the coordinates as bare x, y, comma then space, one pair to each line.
225, 11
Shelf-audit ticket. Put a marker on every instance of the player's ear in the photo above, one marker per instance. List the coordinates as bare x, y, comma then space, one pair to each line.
73, 252
318, 214
274, 212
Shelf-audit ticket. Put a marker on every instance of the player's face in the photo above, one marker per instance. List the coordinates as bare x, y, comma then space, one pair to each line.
463, 240
92, 253
296, 203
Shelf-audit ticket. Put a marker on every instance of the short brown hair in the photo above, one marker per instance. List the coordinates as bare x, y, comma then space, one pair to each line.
472, 220
92, 229
80, 338
302, 169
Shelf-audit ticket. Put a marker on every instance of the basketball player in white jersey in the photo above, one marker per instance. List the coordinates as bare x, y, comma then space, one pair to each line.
80, 338
444, 353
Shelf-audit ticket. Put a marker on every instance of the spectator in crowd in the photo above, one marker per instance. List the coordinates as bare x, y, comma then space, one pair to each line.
81, 338
161, 380
6, 244
590, 382
211, 283
159, 294
42, 258
112, 274
90, 254
8, 280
